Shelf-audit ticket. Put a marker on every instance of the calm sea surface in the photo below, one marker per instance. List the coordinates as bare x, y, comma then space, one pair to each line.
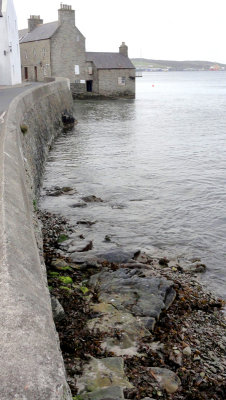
159, 164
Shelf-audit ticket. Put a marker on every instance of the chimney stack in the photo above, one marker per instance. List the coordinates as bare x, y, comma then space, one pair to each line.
66, 15
123, 49
33, 22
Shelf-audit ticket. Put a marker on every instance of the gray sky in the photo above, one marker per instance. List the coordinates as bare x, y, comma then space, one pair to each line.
157, 29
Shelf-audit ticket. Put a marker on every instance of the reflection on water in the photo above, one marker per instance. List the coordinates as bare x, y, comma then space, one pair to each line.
158, 162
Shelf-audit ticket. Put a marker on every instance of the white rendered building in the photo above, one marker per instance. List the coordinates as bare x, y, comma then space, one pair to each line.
10, 65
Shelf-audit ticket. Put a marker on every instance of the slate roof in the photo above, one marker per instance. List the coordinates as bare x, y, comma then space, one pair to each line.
41, 32
0, 8
22, 33
109, 60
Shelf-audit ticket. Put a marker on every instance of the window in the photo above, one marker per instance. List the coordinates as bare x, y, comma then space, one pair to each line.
34, 52
78, 38
76, 69
121, 80
43, 52
25, 54
90, 70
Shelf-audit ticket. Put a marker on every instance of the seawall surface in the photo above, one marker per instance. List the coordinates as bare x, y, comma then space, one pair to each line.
31, 363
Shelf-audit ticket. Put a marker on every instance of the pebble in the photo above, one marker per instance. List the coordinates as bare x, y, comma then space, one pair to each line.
187, 351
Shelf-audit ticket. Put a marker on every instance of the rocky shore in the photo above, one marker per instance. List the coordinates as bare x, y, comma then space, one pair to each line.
132, 326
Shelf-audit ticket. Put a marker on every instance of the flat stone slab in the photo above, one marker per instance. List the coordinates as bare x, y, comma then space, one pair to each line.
103, 379
112, 320
130, 290
111, 393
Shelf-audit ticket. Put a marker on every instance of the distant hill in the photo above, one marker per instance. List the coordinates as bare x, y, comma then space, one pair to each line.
149, 64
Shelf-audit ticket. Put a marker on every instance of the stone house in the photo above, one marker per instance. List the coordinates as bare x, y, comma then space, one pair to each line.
111, 74
10, 70
53, 49
58, 49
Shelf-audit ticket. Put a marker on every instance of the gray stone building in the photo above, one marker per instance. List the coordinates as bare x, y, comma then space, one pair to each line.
58, 49
53, 49
111, 74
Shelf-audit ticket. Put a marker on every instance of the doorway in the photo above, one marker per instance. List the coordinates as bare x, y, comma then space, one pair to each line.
89, 86
36, 74
26, 73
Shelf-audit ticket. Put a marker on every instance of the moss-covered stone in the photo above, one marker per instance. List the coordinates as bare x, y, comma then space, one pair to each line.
53, 274
66, 280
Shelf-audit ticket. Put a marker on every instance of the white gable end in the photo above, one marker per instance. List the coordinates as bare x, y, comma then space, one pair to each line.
10, 65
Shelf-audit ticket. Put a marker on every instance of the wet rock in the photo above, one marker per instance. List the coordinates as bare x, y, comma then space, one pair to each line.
57, 309
102, 374
118, 206
167, 379
118, 256
163, 262
81, 257
193, 268
92, 199
58, 191
80, 247
80, 204
86, 222
143, 296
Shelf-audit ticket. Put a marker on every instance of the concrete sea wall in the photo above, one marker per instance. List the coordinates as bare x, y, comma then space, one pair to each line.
31, 363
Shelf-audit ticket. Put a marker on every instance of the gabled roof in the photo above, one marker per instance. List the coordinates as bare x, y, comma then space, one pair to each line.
22, 33
41, 32
1, 8
109, 60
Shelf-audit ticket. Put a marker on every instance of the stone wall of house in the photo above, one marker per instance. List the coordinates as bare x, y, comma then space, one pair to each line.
36, 54
79, 90
68, 49
31, 363
109, 82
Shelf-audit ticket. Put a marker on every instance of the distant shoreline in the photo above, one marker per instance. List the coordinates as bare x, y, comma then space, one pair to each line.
149, 65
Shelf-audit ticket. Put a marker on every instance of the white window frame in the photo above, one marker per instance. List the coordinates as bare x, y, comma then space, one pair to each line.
121, 80
77, 72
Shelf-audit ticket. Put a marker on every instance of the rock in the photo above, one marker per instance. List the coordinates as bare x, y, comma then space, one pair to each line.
118, 256
149, 323
163, 262
167, 379
57, 309
85, 222
92, 199
187, 351
111, 393
118, 206
148, 398
58, 191
79, 204
80, 247
110, 319
143, 296
58, 262
193, 268
104, 374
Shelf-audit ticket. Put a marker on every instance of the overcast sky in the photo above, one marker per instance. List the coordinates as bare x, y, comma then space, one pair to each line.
157, 29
